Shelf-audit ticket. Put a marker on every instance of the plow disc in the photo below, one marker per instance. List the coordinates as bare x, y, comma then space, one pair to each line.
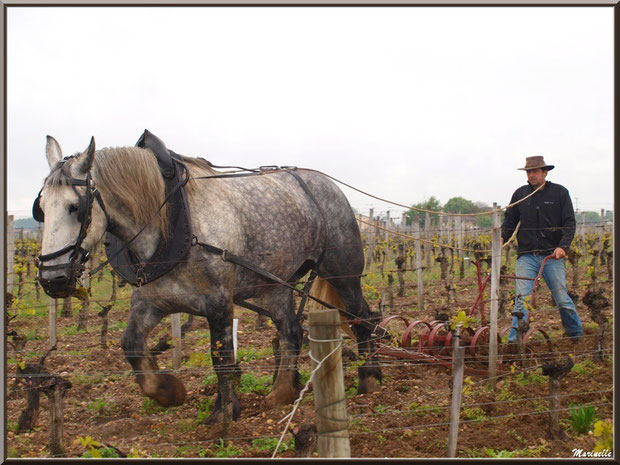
432, 342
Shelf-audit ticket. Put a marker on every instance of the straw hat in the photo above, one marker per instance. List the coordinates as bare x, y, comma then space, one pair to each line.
531, 163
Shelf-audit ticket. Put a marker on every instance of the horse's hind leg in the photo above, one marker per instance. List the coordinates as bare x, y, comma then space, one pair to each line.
166, 389
279, 302
350, 292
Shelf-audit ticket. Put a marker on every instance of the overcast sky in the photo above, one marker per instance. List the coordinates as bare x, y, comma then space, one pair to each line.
403, 102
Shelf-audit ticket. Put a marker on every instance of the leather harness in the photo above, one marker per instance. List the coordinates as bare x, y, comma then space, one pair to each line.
169, 253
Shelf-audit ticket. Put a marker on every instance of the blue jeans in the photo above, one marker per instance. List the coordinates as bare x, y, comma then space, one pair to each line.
554, 274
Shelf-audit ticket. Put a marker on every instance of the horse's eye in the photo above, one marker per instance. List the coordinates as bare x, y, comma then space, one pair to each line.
73, 208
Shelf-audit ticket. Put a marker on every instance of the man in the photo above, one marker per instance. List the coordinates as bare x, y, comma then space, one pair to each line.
547, 227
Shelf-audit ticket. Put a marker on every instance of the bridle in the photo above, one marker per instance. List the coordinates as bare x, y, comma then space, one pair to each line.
79, 256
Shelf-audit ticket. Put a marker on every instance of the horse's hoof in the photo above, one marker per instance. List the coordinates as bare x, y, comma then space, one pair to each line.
281, 397
217, 416
368, 385
213, 418
170, 392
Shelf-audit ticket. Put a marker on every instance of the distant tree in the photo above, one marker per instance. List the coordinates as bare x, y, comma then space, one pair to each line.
432, 204
484, 221
460, 205
588, 217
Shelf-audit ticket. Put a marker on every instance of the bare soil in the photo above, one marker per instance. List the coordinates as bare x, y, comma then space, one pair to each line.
408, 417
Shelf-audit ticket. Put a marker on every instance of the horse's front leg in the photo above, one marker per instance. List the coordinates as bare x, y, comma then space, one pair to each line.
226, 406
166, 389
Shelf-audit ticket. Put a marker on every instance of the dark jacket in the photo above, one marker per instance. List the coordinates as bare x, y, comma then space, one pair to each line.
547, 219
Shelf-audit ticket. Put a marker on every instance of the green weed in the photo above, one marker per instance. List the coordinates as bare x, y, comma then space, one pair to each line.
223, 450
204, 409
476, 414
150, 406
586, 367
198, 359
525, 378
258, 384
269, 444
582, 417
102, 407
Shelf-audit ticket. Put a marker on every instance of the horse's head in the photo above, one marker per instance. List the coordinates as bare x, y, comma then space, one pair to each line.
72, 227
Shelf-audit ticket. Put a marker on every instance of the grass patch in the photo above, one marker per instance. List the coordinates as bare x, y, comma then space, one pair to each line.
586, 367
198, 359
102, 407
150, 407
523, 378
258, 384
117, 325
269, 444
204, 409
221, 450
475, 414
421, 409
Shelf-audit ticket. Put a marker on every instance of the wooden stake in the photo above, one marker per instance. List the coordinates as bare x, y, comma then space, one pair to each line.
176, 340
329, 397
10, 253
418, 265
496, 259
428, 249
458, 367
53, 314
370, 237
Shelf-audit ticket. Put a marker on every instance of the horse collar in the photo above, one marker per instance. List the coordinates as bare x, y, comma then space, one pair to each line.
169, 252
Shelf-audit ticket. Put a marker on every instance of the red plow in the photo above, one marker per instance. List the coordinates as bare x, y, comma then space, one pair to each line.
432, 342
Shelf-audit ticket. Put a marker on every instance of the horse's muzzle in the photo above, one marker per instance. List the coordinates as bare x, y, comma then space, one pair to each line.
62, 284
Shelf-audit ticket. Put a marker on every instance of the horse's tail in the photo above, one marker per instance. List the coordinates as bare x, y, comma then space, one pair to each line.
322, 290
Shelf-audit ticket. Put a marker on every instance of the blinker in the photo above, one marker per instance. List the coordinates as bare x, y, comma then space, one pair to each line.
37, 213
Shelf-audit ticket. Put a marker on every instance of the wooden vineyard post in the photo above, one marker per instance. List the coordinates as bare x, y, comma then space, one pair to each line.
329, 396
459, 235
176, 340
428, 250
458, 367
418, 264
370, 237
53, 315
496, 258
10, 253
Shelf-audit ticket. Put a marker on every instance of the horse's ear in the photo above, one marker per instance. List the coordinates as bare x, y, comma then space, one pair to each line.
85, 160
52, 151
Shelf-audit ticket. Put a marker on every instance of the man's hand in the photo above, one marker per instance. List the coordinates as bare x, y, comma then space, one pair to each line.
558, 253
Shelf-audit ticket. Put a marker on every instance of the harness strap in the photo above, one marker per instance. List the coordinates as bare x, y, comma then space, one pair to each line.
254, 308
237, 260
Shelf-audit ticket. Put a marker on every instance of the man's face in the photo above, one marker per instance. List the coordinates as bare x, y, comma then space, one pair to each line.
536, 177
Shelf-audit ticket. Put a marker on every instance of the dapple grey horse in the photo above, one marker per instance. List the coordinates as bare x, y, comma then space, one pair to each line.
271, 220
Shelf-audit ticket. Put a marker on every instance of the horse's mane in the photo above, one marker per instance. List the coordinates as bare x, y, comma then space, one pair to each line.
131, 176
